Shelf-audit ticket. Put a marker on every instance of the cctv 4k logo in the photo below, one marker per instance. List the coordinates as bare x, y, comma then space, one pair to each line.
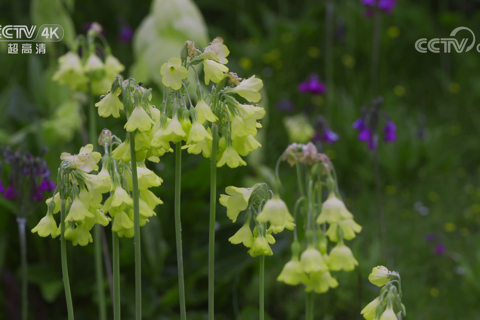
24, 33
448, 45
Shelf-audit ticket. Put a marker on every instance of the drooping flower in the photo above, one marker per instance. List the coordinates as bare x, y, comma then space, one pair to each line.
71, 72
243, 235
341, 258
349, 227
366, 135
46, 185
389, 131
321, 281
359, 124
198, 133
174, 131
94, 66
329, 136
389, 314
125, 35
204, 112
113, 67
440, 249
312, 85
220, 50
369, 311
231, 158
236, 200
46, 227
260, 247
173, 73
333, 210
379, 276
249, 88
312, 260
110, 105
86, 159
214, 71
2, 188
78, 211
275, 212
139, 119
292, 273
387, 5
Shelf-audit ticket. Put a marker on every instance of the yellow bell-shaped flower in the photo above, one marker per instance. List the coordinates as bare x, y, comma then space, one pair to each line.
243, 235
348, 227
174, 131
150, 198
57, 202
312, 260
260, 247
341, 258
214, 71
86, 160
249, 88
204, 112
173, 73
333, 210
236, 201
120, 197
221, 51
369, 311
246, 144
82, 237
145, 210
139, 119
46, 227
78, 211
198, 133
142, 142
231, 157
146, 179
113, 67
379, 276
275, 212
292, 273
71, 72
121, 222
95, 67
204, 147
389, 314
320, 282
110, 105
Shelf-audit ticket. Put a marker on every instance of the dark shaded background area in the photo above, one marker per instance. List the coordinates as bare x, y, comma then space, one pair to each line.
432, 98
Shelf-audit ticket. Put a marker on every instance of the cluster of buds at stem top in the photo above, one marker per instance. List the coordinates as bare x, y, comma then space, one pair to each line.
237, 122
88, 70
28, 180
312, 267
369, 123
264, 210
388, 305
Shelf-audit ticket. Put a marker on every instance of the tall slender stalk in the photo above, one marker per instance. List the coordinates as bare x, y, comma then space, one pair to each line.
376, 51
329, 48
211, 231
102, 308
381, 216
24, 271
116, 277
66, 280
178, 229
309, 306
262, 287
136, 222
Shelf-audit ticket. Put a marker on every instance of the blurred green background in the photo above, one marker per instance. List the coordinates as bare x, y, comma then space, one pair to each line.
429, 175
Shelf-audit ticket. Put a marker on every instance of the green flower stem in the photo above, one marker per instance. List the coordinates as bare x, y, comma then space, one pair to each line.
329, 47
178, 229
116, 277
262, 287
136, 222
102, 310
24, 271
211, 231
309, 315
376, 51
66, 281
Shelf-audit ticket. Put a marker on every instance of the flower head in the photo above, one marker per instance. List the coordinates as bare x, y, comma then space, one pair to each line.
312, 260
320, 282
46, 185
78, 211
204, 112
71, 72
328, 136
260, 247
312, 85
389, 314
341, 258
198, 133
236, 200
333, 210
369, 311
220, 50
389, 131
94, 66
174, 131
139, 119
214, 71
125, 34
349, 227
173, 73
231, 158
110, 105
249, 88
113, 67
243, 235
379, 276
292, 273
275, 212
46, 227
86, 159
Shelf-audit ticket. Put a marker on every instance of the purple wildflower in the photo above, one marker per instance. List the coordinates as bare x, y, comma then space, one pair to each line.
125, 35
37, 195
440, 248
329, 136
312, 85
369, 3
368, 13
387, 5
2, 188
359, 124
11, 193
365, 134
389, 131
429, 237
285, 105
46, 185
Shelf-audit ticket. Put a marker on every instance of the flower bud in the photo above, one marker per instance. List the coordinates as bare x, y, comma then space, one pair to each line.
105, 138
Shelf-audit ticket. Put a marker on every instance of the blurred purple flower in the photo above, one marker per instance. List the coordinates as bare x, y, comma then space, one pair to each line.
387, 5
389, 131
46, 185
368, 13
312, 85
11, 193
285, 105
369, 3
359, 124
125, 35
329, 136
37, 195
440, 248
366, 135
429, 237
2, 188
